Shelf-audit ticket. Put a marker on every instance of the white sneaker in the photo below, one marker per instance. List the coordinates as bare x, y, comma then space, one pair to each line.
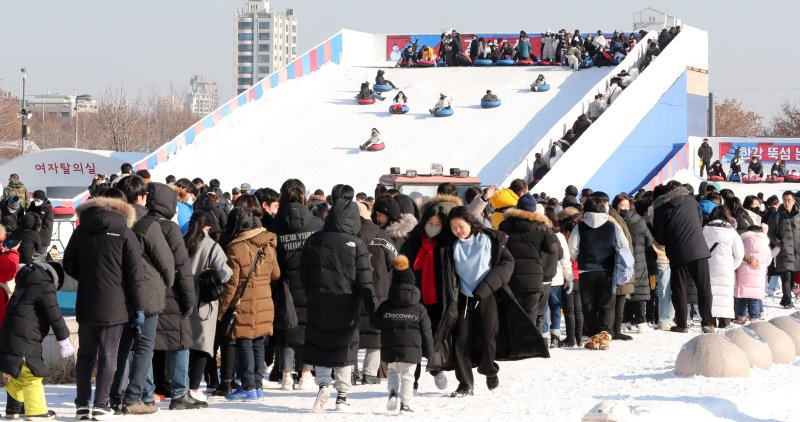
322, 397
198, 395
644, 328
306, 382
391, 405
287, 384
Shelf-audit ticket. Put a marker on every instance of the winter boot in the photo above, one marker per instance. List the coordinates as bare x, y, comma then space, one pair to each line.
620, 336
223, 389
492, 382
463, 390
322, 397
139, 408
555, 342
370, 379
391, 405
568, 342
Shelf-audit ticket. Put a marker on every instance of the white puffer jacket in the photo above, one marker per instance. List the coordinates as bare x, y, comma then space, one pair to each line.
726, 256
564, 267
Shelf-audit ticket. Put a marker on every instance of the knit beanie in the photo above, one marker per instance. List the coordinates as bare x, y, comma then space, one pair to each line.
527, 203
402, 273
388, 207
13, 203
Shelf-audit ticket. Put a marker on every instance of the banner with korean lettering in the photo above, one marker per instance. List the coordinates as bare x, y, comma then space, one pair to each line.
767, 152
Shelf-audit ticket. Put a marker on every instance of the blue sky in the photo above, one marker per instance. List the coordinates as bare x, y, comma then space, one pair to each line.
86, 45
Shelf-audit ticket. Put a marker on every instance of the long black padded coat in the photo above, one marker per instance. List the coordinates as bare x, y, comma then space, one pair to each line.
337, 278
294, 224
382, 253
529, 240
32, 310
642, 240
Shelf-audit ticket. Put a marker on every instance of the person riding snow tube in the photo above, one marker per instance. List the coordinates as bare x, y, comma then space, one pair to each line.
398, 109
541, 88
490, 100
376, 147
372, 142
716, 178
445, 112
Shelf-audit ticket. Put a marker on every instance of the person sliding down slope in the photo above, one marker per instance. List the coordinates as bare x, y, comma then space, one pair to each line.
374, 139
444, 103
366, 92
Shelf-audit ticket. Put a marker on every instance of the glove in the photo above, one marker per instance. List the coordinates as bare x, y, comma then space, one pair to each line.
138, 320
65, 347
569, 286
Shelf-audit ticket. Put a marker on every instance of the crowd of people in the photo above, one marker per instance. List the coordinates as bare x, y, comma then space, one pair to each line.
180, 283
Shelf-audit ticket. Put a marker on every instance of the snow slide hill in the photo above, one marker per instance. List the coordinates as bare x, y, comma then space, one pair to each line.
310, 128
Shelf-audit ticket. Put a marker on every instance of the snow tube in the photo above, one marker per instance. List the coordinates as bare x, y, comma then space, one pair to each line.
376, 147
445, 112
541, 88
778, 179
441, 64
426, 63
382, 87
751, 179
365, 100
792, 178
482, 62
716, 178
525, 62
735, 178
490, 104
399, 110
505, 62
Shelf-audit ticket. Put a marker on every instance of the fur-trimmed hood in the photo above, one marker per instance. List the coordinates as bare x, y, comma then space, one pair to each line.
101, 214
748, 235
527, 215
668, 197
260, 236
401, 228
447, 201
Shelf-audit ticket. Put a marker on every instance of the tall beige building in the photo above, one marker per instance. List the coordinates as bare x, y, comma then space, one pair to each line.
264, 41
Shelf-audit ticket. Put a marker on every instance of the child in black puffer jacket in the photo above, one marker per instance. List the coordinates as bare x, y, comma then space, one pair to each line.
405, 335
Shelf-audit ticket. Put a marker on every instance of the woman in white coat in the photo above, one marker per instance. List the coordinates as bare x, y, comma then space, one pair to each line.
727, 252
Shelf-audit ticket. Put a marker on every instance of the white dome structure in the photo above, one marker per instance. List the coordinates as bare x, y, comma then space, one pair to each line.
712, 355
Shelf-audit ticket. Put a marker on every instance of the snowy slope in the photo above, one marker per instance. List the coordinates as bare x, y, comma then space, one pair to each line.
562, 388
310, 128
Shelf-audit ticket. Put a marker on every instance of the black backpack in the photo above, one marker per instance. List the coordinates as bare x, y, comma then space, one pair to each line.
211, 287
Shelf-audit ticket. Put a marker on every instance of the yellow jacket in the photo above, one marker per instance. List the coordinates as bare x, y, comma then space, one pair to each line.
502, 200
428, 54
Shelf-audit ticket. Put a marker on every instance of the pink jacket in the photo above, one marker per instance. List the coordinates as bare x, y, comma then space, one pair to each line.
750, 282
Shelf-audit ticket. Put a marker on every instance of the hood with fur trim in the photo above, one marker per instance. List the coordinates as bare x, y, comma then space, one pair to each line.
447, 201
101, 214
401, 228
665, 199
534, 217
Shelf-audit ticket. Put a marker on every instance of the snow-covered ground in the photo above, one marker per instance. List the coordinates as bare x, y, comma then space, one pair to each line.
310, 128
562, 388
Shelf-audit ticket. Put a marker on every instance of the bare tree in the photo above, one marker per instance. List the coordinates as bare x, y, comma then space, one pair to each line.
166, 117
786, 122
733, 120
10, 126
119, 122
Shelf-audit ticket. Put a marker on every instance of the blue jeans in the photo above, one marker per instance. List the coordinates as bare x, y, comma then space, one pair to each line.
178, 364
666, 312
554, 302
250, 354
140, 370
745, 307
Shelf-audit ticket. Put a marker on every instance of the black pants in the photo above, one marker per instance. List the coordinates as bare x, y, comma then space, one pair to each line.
97, 345
161, 378
197, 367
638, 311
787, 279
692, 272
573, 312
435, 315
388, 82
597, 300
475, 326
703, 165
619, 313
541, 307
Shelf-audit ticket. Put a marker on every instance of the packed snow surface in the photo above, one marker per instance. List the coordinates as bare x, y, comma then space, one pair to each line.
562, 388
310, 128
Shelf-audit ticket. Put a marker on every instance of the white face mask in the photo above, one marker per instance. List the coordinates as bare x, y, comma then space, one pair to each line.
432, 231
38, 202
189, 200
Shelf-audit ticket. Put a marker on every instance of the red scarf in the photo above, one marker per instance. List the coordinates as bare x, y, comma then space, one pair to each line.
424, 262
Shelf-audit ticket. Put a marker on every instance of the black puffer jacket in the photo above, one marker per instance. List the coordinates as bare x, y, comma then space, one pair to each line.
382, 253
45, 212
642, 241
405, 327
678, 225
104, 256
337, 277
32, 311
158, 264
30, 241
8, 218
293, 224
784, 232
174, 328
529, 239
